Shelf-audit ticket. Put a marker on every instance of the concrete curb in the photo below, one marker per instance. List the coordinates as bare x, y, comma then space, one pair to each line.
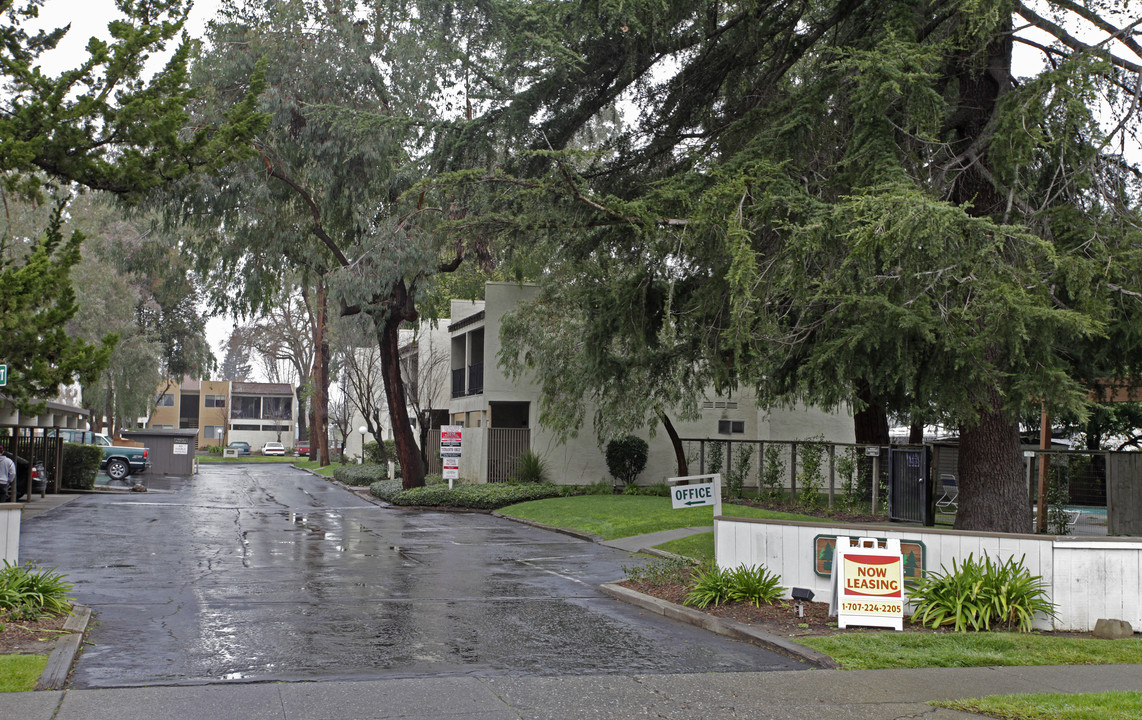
721, 626
54, 676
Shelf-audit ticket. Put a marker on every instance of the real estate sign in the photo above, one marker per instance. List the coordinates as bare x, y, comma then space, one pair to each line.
451, 468
868, 583
451, 441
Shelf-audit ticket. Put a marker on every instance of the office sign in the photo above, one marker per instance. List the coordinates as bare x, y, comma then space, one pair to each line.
684, 496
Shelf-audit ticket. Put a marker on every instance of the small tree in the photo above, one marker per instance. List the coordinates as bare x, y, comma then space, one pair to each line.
626, 458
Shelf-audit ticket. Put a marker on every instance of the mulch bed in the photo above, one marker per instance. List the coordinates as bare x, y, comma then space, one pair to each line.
777, 619
30, 637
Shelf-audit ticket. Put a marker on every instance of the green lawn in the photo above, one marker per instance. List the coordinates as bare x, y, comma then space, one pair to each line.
248, 459
18, 673
700, 547
617, 516
877, 650
313, 465
1054, 706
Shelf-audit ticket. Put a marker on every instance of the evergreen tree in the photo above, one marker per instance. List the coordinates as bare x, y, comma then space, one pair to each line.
847, 201
236, 364
101, 125
355, 92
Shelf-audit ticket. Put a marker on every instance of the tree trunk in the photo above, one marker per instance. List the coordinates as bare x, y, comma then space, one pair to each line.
320, 377
676, 442
322, 416
993, 492
870, 424
388, 342
916, 434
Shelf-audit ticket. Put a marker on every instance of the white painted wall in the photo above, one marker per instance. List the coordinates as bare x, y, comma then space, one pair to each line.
1088, 579
10, 532
580, 460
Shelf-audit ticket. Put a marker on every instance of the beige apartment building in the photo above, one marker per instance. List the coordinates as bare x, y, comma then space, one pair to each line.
224, 412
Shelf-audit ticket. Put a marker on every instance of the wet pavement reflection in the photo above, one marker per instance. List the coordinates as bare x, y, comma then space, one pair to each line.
264, 572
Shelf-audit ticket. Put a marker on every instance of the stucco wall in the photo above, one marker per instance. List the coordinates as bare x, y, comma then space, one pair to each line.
1088, 579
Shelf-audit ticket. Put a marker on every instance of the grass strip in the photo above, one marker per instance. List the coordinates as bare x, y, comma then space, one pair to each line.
618, 516
315, 466
218, 459
880, 650
1053, 706
18, 673
700, 547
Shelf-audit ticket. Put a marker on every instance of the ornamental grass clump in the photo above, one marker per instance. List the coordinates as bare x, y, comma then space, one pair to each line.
714, 586
977, 594
755, 584
29, 594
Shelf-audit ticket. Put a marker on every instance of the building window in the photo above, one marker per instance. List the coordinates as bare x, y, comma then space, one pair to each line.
165, 400
731, 427
277, 408
246, 427
215, 401
214, 432
246, 408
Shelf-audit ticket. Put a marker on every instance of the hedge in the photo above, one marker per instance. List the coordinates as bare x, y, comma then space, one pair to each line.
360, 475
80, 465
475, 497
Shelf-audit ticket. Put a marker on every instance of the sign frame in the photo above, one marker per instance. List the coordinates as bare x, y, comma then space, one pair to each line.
687, 480
885, 566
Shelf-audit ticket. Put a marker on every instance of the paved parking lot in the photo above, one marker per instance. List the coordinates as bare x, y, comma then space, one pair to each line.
265, 572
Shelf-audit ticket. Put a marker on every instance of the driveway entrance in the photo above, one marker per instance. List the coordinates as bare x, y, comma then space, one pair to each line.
263, 572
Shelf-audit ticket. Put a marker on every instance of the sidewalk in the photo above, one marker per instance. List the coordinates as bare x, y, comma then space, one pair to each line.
862, 695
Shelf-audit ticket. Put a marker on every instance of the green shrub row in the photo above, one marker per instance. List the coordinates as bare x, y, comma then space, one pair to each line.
491, 496
360, 475
80, 466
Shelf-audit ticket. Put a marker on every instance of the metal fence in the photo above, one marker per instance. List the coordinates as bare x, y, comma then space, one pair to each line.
837, 474
505, 445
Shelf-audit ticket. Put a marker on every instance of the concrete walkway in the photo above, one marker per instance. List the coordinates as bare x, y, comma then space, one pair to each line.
860, 695
639, 543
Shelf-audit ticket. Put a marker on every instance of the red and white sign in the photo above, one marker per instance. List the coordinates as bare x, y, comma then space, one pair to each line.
868, 583
451, 434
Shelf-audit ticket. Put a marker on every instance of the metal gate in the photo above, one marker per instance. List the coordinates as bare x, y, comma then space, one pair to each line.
909, 492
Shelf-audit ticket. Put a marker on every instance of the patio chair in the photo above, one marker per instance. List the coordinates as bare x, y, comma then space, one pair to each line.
948, 501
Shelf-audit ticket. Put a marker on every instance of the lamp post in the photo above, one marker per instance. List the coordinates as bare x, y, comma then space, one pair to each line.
362, 430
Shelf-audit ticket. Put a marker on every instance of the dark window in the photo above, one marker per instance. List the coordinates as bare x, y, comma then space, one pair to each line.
731, 427
246, 408
165, 400
277, 408
215, 401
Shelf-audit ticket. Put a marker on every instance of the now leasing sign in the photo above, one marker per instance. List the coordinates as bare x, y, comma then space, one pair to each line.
868, 583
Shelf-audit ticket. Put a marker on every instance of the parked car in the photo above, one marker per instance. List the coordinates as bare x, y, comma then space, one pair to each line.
119, 461
273, 448
302, 448
241, 446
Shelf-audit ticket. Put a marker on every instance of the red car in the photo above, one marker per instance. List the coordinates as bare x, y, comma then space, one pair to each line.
302, 448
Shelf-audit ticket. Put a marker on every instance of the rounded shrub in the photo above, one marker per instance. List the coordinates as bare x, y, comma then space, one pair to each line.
626, 458
80, 466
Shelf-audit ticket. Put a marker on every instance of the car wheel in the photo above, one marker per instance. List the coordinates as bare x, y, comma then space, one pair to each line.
118, 469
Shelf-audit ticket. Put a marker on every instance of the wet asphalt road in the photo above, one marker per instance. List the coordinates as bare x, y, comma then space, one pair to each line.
262, 572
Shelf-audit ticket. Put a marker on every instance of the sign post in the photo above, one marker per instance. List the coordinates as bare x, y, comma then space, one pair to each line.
689, 491
868, 583
451, 445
